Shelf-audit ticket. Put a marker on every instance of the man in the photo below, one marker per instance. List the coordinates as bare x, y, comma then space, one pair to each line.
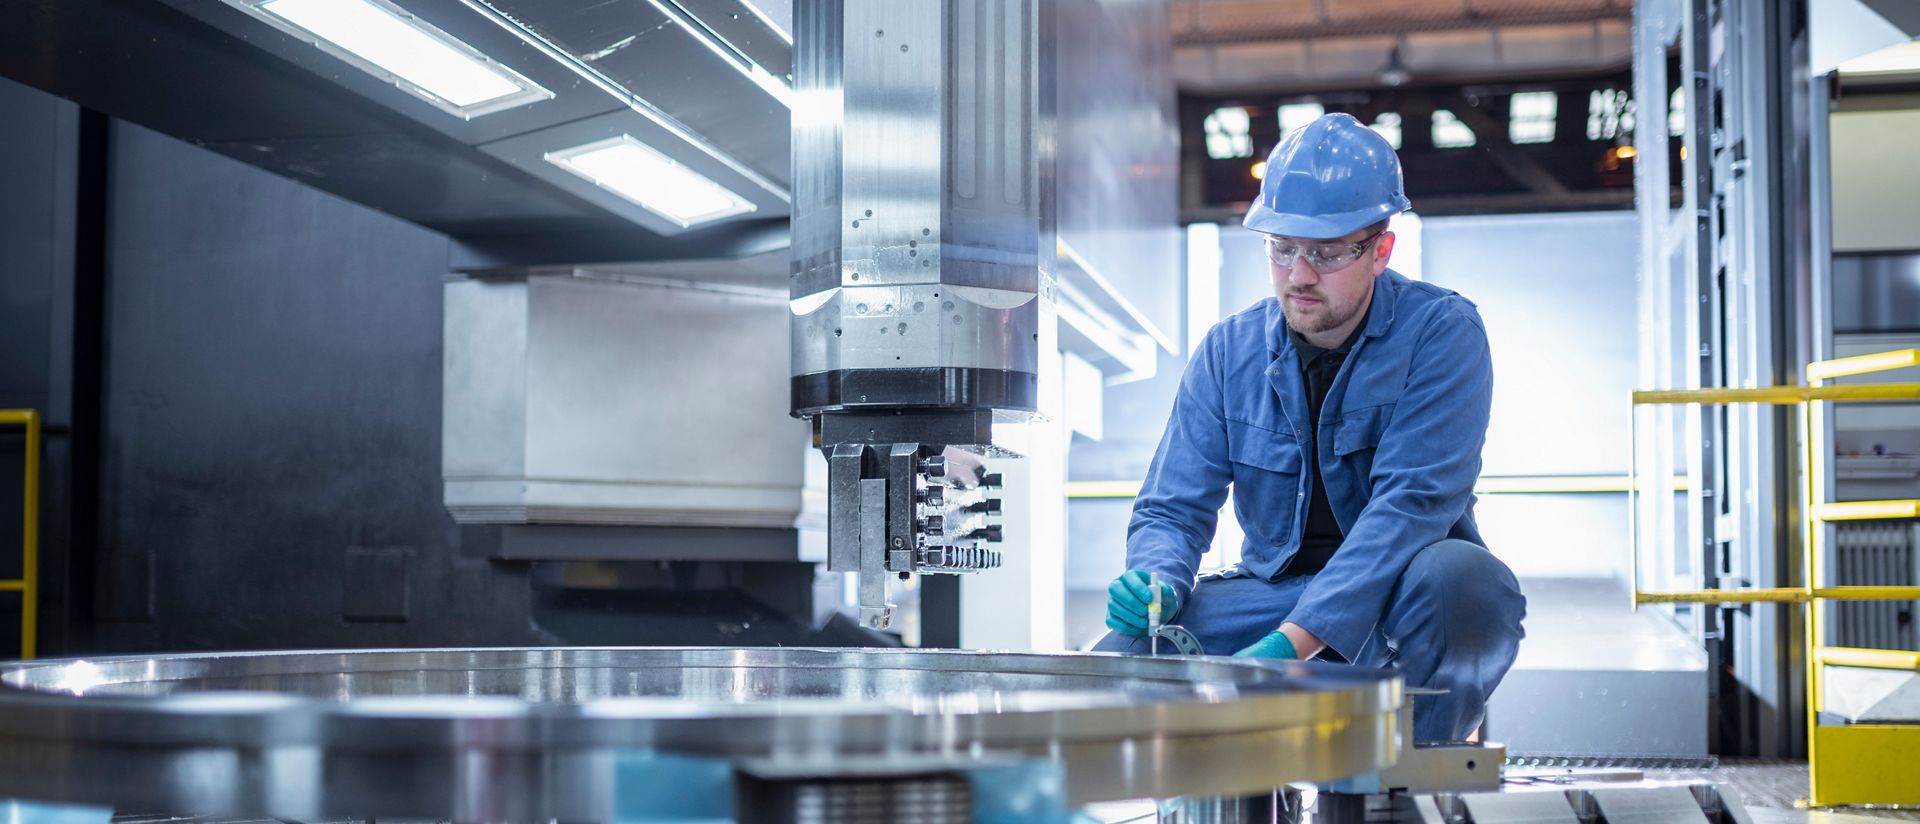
1347, 413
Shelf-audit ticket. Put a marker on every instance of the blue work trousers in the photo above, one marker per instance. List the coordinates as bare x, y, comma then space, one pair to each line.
1451, 623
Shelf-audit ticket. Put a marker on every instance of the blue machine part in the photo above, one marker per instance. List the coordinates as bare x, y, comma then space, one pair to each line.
1028, 792
654, 788
14, 811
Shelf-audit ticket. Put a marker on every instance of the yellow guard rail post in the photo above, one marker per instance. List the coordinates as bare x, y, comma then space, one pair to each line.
1851, 763
1847, 763
28, 584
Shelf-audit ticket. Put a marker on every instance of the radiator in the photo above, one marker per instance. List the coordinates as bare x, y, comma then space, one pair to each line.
1875, 554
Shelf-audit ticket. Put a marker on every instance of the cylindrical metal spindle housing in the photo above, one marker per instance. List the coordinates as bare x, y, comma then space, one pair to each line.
923, 239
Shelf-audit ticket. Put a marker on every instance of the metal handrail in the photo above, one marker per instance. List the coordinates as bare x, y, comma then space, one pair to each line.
1781, 395
1803, 397
1816, 514
1873, 658
28, 584
1778, 595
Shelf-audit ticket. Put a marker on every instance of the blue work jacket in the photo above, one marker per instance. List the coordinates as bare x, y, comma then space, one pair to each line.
1398, 450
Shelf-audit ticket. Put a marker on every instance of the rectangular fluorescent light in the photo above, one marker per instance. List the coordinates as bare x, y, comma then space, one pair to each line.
386, 41
641, 174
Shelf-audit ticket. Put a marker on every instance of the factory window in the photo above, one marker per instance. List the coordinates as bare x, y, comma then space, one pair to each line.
1388, 125
1677, 113
1609, 114
1449, 132
1228, 133
1531, 117
1295, 115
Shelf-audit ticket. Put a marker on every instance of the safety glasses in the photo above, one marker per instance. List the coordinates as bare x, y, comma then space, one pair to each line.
1323, 257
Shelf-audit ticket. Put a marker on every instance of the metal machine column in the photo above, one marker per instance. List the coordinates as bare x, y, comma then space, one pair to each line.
1742, 69
923, 255
1759, 259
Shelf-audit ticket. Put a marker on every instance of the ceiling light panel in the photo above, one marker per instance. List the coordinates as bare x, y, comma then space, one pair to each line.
641, 174
390, 43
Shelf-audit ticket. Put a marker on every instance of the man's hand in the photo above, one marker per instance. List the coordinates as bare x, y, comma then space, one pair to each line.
1127, 600
1290, 641
1274, 644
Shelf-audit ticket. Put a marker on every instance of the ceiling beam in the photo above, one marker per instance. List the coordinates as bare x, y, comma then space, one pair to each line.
1523, 169
1367, 81
1399, 22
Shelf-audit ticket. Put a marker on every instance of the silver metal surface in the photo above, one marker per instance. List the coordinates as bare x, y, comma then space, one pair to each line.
875, 610
1118, 188
922, 230
923, 258
1255, 809
531, 734
1447, 767
1874, 696
1655, 805
1452, 767
1514, 808
598, 400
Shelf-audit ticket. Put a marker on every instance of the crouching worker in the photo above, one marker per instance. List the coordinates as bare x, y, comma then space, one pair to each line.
1347, 413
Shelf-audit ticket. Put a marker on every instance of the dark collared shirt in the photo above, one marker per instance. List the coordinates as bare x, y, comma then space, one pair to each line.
1318, 367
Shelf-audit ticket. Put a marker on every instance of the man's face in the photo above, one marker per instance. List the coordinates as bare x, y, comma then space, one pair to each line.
1317, 300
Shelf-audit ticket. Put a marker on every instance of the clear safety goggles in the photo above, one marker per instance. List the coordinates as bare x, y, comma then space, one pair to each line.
1323, 257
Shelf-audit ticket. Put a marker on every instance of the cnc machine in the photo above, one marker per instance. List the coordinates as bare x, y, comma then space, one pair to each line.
923, 247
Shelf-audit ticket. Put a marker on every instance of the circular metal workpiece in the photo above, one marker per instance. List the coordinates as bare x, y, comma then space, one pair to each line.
536, 734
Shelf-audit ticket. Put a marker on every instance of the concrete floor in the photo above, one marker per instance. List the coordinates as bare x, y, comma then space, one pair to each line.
1769, 789
1776, 788
1596, 678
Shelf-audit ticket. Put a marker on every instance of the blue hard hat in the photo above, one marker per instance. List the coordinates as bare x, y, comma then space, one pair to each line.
1328, 179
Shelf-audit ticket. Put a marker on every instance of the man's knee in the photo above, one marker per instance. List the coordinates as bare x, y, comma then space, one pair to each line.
1462, 586
1455, 567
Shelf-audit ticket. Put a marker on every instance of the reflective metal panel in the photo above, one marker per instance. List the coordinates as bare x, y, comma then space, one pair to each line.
922, 295
1876, 293
1119, 160
923, 233
501, 734
607, 400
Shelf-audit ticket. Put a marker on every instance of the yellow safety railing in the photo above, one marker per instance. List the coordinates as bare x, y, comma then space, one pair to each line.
28, 584
1850, 763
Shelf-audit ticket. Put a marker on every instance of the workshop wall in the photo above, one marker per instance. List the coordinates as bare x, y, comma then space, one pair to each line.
37, 144
272, 419
1874, 178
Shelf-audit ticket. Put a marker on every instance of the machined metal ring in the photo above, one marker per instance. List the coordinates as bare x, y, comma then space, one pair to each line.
534, 733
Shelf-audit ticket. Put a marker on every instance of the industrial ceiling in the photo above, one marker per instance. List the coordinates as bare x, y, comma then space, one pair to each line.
701, 83
1226, 46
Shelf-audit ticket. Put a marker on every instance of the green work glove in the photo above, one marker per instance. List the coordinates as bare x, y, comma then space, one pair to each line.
1127, 600
1275, 645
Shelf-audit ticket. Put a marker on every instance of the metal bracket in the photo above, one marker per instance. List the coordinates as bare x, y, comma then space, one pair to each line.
876, 612
1184, 642
892, 512
1435, 768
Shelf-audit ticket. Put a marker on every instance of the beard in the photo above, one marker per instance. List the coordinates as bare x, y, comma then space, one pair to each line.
1318, 318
